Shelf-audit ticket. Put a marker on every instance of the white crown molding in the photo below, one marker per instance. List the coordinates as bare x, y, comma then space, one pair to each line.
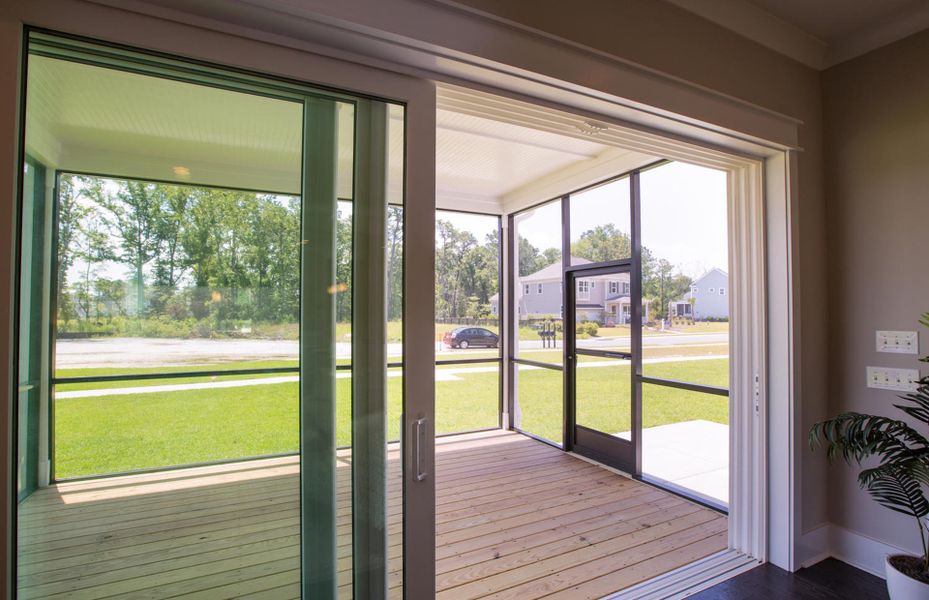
787, 39
880, 35
761, 27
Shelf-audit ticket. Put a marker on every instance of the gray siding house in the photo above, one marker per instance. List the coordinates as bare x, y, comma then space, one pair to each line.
708, 298
604, 299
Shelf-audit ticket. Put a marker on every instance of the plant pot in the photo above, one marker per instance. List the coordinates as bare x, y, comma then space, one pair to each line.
901, 586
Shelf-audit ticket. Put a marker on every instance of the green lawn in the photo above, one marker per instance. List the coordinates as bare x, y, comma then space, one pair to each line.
603, 398
133, 431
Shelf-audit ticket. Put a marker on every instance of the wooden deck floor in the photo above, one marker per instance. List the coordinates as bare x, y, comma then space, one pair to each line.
515, 519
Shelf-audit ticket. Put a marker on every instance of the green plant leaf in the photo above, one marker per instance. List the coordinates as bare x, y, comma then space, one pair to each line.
895, 487
920, 404
856, 436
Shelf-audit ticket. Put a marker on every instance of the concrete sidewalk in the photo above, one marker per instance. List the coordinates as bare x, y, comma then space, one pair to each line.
450, 374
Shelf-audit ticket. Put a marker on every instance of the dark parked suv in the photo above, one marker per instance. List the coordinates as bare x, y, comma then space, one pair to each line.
468, 337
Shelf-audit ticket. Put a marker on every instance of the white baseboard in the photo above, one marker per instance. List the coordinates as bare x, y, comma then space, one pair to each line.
856, 549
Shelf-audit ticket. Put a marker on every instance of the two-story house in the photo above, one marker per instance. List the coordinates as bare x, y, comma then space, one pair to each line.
708, 298
604, 299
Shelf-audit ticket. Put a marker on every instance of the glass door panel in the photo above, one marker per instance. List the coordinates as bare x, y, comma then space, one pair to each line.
208, 387
686, 324
603, 395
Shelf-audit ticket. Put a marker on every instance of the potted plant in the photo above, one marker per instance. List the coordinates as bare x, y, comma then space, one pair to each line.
898, 481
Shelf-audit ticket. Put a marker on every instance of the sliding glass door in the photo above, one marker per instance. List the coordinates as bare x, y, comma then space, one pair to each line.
204, 400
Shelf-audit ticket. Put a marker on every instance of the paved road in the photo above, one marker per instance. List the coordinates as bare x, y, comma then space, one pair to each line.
154, 352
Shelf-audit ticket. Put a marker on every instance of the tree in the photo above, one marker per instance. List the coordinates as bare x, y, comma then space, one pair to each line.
467, 272
71, 214
110, 297
132, 214
550, 256
452, 246
202, 226
602, 243
89, 248
663, 286
168, 226
343, 267
531, 260
394, 263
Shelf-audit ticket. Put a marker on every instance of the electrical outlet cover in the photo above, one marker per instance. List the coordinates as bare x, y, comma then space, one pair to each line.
898, 342
899, 380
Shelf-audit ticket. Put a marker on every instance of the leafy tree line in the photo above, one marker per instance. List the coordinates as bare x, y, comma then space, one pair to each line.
466, 271
200, 261
197, 261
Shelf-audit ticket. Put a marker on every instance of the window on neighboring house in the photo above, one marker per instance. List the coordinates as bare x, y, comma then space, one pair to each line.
539, 289
694, 289
712, 290
626, 287
722, 291
526, 289
583, 289
614, 287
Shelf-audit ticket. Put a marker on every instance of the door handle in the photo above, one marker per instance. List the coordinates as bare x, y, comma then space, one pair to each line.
419, 455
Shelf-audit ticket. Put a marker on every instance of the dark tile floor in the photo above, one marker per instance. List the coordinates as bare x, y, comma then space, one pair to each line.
828, 580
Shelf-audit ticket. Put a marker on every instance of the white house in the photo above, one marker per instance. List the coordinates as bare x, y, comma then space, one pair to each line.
708, 298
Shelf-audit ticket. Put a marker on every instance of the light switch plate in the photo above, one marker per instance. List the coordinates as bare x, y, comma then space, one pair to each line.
900, 380
898, 342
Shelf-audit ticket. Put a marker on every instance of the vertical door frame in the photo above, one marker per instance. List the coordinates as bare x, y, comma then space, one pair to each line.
418, 332
618, 461
318, 560
369, 352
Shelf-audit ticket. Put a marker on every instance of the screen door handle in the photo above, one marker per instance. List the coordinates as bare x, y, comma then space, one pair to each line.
419, 455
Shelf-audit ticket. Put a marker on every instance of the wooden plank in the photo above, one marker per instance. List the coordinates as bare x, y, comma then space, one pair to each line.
515, 519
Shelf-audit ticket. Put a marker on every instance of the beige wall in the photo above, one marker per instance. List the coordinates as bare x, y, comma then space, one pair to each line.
671, 40
877, 191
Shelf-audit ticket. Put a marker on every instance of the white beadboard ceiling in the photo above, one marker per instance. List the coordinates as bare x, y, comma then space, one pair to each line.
90, 119
482, 160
